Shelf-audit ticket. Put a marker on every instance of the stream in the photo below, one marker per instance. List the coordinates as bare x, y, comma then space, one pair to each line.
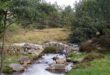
40, 66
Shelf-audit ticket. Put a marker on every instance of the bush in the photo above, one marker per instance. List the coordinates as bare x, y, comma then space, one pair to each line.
88, 20
100, 44
50, 50
104, 43
14, 28
82, 65
39, 26
87, 47
75, 56
7, 70
92, 56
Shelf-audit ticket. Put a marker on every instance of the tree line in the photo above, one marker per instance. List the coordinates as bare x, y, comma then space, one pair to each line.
89, 18
36, 13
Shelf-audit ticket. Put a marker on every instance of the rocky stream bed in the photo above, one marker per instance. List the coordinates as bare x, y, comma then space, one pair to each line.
47, 66
48, 63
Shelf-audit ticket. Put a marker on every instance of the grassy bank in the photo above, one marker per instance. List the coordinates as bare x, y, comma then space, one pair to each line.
39, 36
96, 67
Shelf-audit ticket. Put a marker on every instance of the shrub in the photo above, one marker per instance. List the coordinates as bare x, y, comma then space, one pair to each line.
100, 44
104, 43
7, 70
82, 65
75, 56
88, 20
87, 47
14, 28
50, 50
92, 56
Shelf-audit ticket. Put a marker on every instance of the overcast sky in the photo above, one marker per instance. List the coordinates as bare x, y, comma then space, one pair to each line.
63, 2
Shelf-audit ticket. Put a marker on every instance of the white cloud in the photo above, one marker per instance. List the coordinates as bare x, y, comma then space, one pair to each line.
63, 2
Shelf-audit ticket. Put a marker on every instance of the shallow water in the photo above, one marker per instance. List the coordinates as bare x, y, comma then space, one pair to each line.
39, 67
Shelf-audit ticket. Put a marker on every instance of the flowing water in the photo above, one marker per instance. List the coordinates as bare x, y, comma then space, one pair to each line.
39, 67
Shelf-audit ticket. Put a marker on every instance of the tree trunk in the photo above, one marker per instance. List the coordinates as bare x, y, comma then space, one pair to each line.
3, 43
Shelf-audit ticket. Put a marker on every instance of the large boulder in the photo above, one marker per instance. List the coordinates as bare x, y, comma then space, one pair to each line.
57, 68
16, 67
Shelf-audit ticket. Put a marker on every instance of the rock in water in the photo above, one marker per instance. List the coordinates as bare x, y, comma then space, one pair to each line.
57, 68
68, 67
61, 61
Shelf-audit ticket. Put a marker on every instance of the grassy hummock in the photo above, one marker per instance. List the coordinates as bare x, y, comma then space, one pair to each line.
96, 67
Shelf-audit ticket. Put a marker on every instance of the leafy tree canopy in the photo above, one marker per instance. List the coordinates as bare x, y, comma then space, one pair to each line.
91, 17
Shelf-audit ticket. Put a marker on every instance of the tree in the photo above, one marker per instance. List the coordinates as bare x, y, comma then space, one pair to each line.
67, 16
14, 11
89, 19
25, 11
4, 8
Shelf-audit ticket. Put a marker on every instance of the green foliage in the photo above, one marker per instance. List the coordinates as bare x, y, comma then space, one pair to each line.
75, 56
14, 28
67, 16
90, 19
7, 70
35, 13
50, 50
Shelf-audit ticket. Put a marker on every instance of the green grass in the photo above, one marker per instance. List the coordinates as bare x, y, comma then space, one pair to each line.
9, 59
75, 56
14, 58
96, 67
